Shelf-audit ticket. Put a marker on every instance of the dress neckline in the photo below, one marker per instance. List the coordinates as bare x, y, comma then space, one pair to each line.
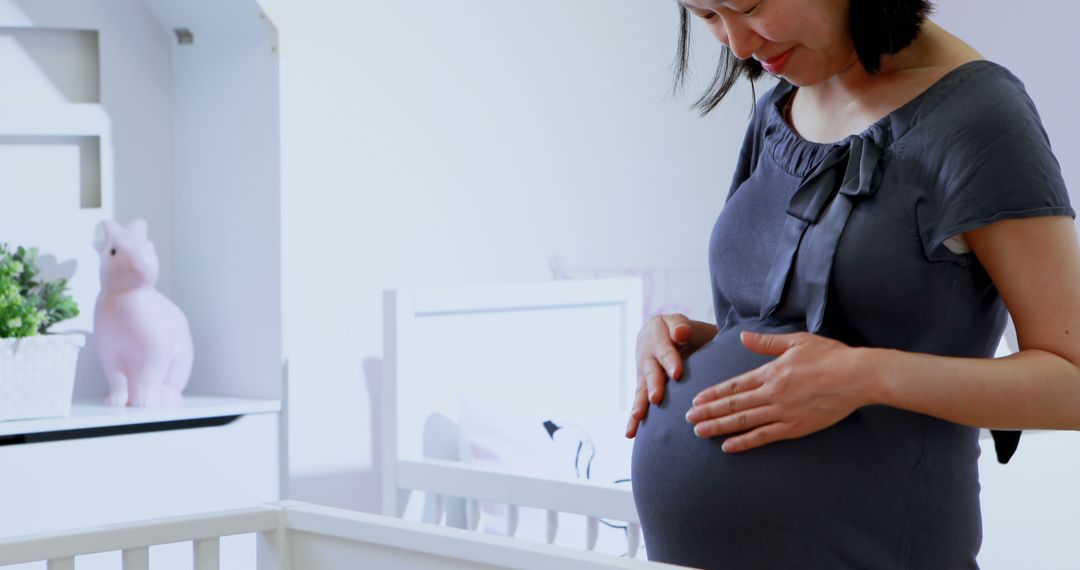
798, 155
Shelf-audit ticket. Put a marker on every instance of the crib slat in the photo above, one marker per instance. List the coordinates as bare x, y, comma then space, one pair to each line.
474, 514
136, 558
511, 520
552, 525
62, 564
592, 531
207, 553
633, 539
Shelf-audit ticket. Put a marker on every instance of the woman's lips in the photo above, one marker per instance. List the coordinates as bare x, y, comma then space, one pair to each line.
776, 64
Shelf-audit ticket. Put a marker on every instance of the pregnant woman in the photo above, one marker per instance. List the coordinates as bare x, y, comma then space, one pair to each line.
895, 193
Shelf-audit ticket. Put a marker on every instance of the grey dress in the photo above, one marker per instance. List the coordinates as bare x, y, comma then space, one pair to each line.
846, 240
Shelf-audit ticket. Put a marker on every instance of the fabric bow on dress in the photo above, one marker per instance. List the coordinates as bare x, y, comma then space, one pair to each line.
817, 214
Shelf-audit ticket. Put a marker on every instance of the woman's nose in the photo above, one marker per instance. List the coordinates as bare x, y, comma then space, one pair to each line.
741, 40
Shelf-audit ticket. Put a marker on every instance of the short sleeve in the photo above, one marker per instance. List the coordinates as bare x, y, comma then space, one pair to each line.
995, 164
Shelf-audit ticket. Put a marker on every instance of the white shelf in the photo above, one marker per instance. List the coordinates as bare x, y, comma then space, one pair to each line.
58, 120
92, 197
91, 414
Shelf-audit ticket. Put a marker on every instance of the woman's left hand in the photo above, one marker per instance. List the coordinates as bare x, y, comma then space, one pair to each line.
813, 383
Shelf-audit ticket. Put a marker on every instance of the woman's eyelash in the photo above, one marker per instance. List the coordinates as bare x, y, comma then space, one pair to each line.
711, 15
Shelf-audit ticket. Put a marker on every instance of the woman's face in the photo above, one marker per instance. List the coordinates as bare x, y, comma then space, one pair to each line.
805, 41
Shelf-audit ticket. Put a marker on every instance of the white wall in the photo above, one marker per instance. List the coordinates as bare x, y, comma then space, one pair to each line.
226, 202
438, 143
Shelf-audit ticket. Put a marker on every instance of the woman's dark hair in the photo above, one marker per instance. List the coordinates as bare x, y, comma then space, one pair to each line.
878, 27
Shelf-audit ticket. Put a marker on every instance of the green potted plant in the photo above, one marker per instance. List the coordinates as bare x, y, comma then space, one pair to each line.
37, 370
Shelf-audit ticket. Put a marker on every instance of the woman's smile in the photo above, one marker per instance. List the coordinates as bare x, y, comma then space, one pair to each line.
775, 65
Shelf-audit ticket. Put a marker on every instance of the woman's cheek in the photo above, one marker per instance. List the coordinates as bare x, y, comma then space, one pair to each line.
770, 28
720, 33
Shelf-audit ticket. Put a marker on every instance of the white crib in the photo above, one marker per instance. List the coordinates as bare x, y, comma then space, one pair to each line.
299, 536
424, 332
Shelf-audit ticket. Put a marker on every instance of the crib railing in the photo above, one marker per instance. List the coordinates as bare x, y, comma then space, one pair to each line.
134, 540
297, 536
440, 480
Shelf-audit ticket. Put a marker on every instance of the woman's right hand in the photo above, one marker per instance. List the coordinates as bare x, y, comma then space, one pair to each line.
659, 346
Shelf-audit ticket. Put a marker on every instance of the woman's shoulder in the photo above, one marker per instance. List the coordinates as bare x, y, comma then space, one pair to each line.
976, 96
981, 129
982, 84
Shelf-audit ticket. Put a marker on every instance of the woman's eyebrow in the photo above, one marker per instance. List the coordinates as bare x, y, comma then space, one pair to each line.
686, 4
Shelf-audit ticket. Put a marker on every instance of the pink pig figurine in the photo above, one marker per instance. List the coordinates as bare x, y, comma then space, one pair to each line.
143, 339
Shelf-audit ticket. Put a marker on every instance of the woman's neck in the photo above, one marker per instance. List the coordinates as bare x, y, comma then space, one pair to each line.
933, 52
853, 99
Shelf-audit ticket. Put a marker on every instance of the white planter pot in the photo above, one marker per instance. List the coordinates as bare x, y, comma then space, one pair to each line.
37, 375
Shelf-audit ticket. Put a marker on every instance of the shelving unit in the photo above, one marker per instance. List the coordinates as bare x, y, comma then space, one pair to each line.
184, 135
91, 417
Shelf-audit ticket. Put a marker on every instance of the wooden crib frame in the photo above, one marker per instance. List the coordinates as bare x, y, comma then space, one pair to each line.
299, 536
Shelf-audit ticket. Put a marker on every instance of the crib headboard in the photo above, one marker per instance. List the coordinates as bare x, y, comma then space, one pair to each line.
564, 346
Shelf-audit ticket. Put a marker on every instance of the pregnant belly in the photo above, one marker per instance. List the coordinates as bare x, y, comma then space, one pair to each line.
786, 503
